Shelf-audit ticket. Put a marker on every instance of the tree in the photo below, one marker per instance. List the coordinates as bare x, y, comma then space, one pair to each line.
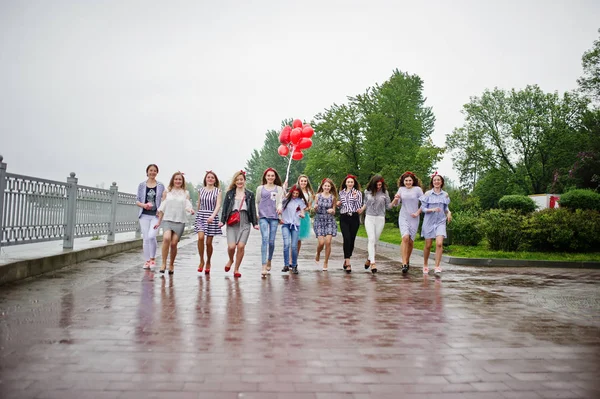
527, 133
338, 143
398, 128
589, 83
385, 130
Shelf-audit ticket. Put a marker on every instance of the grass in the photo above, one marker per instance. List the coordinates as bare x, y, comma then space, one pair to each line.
391, 235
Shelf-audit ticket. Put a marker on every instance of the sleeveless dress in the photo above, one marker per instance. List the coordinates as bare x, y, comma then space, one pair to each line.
208, 203
304, 232
324, 224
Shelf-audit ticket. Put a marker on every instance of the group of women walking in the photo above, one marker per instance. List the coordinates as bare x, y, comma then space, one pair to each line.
273, 205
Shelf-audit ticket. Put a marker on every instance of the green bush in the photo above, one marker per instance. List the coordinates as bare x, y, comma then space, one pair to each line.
562, 230
580, 199
503, 229
466, 229
521, 203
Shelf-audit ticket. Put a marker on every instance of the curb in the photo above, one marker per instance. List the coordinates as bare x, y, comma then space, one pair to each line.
23, 269
494, 262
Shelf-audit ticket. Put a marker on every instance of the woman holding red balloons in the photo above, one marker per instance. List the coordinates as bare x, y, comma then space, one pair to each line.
325, 226
295, 138
268, 207
239, 213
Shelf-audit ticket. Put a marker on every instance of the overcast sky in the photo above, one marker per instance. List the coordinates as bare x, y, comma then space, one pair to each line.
103, 88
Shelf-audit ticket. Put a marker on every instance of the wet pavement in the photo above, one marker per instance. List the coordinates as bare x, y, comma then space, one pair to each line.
107, 329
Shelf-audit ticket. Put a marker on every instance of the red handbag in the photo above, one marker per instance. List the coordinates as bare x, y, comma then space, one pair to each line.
234, 217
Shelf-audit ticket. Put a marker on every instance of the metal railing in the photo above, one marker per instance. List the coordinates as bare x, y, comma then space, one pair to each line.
36, 210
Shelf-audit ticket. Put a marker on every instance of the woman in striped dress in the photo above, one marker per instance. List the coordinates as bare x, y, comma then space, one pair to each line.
434, 204
207, 220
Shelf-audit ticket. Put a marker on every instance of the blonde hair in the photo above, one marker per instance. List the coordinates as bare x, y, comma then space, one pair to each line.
235, 176
308, 185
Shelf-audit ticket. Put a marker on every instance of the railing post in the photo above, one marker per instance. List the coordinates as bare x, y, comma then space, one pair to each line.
2, 188
71, 212
114, 190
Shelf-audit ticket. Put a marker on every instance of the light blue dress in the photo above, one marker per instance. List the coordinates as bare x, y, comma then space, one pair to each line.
434, 223
305, 229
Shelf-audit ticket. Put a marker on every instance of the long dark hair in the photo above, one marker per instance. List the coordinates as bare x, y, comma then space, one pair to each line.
211, 173
277, 181
289, 196
372, 186
356, 183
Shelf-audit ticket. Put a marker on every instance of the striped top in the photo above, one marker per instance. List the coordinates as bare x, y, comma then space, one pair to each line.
350, 201
208, 199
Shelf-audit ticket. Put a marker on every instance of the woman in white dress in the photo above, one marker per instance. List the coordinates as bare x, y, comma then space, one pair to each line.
172, 215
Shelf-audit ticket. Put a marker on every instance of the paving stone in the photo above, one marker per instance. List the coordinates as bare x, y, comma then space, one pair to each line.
108, 329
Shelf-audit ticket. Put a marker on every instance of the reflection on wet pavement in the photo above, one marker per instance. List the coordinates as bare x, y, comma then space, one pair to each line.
108, 329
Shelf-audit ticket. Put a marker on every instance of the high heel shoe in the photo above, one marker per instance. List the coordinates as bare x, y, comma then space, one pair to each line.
367, 264
163, 270
206, 271
201, 267
344, 266
348, 269
373, 269
237, 274
171, 271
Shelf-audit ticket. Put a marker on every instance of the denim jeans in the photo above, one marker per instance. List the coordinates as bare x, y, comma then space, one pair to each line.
268, 231
290, 236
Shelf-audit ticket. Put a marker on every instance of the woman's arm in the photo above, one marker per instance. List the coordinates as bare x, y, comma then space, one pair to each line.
217, 207
188, 203
257, 199
388, 201
252, 210
160, 218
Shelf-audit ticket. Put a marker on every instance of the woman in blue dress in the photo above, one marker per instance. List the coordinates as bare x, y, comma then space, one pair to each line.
325, 226
434, 204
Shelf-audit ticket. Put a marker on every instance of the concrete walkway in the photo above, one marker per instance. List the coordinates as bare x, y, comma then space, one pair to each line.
107, 329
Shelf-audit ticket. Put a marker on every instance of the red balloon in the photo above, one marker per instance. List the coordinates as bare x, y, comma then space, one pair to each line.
296, 135
284, 136
297, 155
308, 131
283, 150
297, 123
304, 143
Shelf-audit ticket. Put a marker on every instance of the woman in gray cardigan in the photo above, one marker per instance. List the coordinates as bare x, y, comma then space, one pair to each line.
149, 196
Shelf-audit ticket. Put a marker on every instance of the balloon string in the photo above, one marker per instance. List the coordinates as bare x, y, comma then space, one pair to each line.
287, 174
